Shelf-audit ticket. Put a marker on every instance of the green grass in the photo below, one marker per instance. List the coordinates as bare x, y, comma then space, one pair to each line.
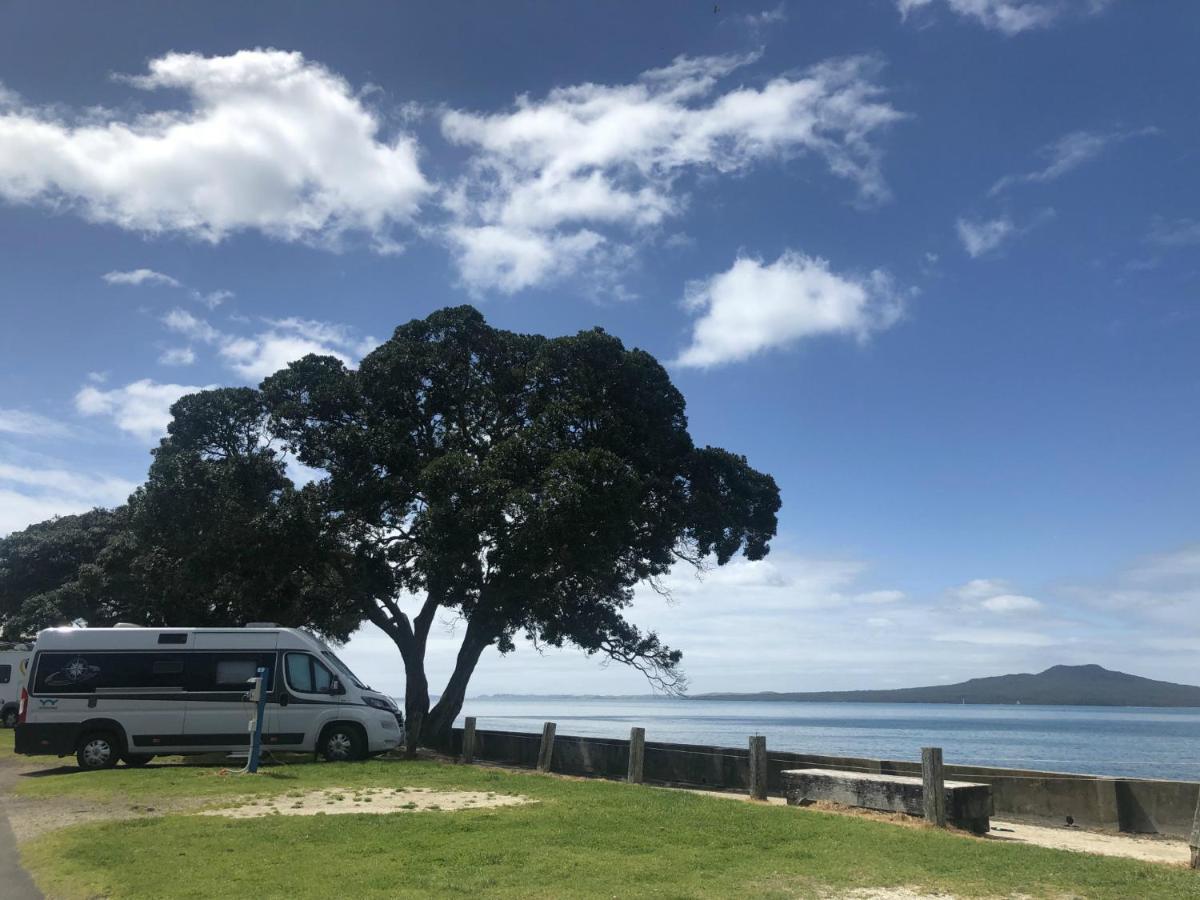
583, 838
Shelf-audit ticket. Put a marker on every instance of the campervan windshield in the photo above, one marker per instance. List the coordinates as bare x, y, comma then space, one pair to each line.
344, 669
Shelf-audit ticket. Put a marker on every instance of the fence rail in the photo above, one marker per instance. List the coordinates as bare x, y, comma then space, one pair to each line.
1136, 805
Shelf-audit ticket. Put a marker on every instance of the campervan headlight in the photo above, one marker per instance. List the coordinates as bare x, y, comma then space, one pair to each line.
380, 703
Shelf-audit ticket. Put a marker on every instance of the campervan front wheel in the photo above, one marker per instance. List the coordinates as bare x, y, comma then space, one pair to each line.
10, 718
98, 750
342, 743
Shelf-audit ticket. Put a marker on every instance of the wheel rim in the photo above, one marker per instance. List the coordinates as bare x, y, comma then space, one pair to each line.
339, 745
97, 752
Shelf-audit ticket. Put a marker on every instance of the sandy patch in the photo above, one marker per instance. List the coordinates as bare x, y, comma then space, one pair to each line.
377, 801
1149, 848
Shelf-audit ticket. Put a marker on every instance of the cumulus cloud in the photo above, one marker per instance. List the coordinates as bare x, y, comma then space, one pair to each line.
1011, 603
1175, 233
754, 306
177, 356
1011, 16
32, 494
1066, 154
23, 422
139, 277
265, 141
141, 408
284, 340
557, 182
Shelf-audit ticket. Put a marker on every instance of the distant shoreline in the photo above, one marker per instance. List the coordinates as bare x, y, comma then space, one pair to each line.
1087, 685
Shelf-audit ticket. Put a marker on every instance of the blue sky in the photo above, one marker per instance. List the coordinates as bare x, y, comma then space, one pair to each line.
931, 263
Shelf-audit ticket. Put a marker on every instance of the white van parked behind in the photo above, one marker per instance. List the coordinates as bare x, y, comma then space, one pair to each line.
131, 693
14, 661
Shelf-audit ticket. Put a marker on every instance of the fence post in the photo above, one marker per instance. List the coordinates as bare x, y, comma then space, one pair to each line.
758, 767
468, 747
546, 751
933, 786
1194, 840
637, 754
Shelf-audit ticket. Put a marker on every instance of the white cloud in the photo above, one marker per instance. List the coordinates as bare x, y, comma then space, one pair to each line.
980, 589
1067, 154
284, 340
267, 141
754, 307
141, 408
19, 421
1011, 603
980, 237
29, 494
1176, 233
138, 277
996, 637
177, 356
183, 322
555, 179
1012, 16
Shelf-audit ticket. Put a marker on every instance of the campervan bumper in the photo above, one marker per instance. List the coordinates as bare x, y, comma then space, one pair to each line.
46, 738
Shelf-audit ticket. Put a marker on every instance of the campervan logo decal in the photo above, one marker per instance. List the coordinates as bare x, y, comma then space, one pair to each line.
48, 703
77, 671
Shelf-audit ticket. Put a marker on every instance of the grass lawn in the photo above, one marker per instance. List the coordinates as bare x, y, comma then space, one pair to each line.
582, 838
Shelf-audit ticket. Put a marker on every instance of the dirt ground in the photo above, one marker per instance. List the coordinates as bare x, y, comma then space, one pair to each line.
339, 801
1150, 848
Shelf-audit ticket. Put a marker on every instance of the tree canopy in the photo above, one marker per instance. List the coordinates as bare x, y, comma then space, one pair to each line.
524, 484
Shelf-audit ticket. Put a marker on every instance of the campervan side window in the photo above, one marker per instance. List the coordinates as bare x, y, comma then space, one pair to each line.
5, 674
307, 676
87, 671
210, 672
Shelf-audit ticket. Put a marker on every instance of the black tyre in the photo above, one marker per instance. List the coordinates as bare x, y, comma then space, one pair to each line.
9, 718
342, 743
98, 750
137, 760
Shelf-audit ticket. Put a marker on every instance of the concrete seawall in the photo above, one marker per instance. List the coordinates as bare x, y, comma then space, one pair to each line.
1136, 805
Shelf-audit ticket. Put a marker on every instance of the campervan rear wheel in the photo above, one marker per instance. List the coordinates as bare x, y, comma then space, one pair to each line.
138, 760
10, 718
98, 750
342, 743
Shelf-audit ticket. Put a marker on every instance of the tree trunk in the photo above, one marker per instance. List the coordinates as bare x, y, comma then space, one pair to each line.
416, 705
440, 723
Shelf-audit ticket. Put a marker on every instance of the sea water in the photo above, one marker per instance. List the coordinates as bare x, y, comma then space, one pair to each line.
1124, 741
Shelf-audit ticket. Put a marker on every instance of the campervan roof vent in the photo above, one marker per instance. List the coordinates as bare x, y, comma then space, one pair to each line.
126, 625
261, 625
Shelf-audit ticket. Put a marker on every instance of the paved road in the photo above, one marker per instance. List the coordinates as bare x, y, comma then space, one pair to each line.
16, 881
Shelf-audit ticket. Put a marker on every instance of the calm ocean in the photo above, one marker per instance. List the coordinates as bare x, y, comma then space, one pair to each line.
1145, 743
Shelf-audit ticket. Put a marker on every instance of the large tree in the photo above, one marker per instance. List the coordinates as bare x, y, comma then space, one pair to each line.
218, 534
40, 564
525, 484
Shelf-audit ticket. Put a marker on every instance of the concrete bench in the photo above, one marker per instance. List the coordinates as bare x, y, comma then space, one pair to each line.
967, 805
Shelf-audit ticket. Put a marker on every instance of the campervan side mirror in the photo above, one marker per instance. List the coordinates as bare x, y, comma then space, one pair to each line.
335, 687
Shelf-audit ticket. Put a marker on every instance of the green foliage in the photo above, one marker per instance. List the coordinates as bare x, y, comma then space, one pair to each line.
43, 570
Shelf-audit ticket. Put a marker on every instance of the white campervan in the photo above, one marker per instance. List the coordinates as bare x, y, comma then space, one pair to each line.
132, 693
14, 661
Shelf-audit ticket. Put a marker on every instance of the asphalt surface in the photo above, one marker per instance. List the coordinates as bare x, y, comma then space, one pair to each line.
15, 883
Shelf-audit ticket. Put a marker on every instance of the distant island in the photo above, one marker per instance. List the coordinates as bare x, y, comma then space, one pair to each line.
1057, 686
